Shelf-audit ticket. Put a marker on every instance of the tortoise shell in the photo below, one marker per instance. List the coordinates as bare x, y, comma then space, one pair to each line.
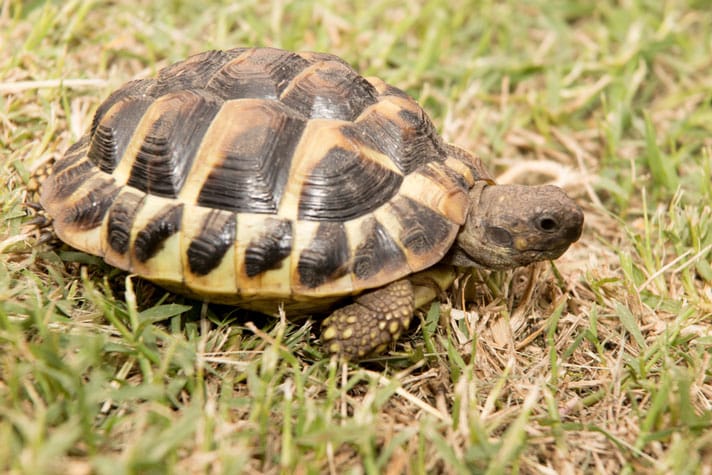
257, 176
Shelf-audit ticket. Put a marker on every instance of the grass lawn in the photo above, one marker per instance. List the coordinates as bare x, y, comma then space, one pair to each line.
597, 363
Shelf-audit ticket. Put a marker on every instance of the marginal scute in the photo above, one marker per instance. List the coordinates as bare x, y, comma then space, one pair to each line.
120, 220
326, 256
150, 239
445, 177
432, 188
66, 176
267, 250
377, 252
73, 155
423, 230
206, 250
88, 211
68, 180
473, 163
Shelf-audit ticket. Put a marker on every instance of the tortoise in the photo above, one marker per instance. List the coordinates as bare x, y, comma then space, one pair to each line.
271, 179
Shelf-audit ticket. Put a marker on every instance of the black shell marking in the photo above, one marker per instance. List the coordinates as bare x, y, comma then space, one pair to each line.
120, 220
423, 228
377, 252
169, 148
252, 175
70, 179
438, 172
113, 133
326, 257
266, 251
217, 236
394, 91
137, 88
74, 154
345, 185
476, 168
150, 239
193, 73
330, 90
410, 141
88, 212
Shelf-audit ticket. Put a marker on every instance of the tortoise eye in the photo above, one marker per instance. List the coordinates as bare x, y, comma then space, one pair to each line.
547, 224
499, 236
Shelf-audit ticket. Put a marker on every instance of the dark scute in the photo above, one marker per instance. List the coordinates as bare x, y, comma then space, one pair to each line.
137, 88
88, 212
192, 73
478, 172
207, 250
150, 239
103, 151
169, 148
267, 251
409, 147
417, 120
331, 91
121, 218
326, 257
441, 173
257, 73
112, 135
69, 179
320, 57
344, 186
394, 91
253, 173
423, 229
378, 251
73, 154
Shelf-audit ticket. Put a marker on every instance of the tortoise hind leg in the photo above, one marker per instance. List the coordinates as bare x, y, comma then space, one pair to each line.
368, 325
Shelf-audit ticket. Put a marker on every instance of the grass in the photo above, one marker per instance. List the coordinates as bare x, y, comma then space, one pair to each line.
599, 363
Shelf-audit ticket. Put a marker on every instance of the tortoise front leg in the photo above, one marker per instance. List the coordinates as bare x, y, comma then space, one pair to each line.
378, 317
368, 325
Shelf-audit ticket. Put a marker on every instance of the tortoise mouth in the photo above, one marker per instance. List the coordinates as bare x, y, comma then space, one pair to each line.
543, 250
552, 252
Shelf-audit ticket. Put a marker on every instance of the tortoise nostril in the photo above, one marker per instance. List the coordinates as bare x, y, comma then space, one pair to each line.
547, 224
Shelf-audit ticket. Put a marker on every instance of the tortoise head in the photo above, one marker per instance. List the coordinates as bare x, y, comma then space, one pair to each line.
514, 225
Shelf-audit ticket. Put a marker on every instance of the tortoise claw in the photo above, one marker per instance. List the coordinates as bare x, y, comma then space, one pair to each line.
33, 205
46, 237
39, 221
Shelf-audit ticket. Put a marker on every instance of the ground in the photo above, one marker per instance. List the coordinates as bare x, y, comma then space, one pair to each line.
596, 363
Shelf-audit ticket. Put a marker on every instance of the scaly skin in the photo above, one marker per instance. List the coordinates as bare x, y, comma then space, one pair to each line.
377, 318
